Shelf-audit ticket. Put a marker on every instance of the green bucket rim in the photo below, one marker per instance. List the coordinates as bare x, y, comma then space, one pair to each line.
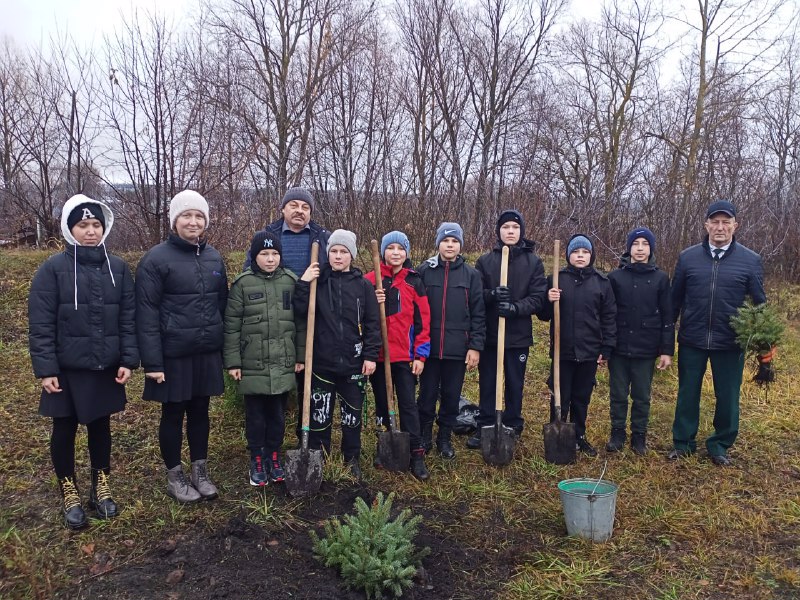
583, 487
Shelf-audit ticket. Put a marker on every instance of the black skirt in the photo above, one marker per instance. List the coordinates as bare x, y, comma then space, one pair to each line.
186, 378
87, 395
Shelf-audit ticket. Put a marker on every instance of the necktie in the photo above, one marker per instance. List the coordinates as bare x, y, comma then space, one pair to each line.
718, 253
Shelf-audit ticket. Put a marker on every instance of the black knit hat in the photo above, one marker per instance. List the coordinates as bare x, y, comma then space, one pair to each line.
264, 240
510, 215
86, 210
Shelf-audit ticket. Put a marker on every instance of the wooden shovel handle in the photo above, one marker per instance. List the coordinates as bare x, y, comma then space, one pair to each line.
387, 365
501, 338
556, 333
311, 318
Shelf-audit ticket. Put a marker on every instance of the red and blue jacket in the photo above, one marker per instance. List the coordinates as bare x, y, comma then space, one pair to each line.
408, 316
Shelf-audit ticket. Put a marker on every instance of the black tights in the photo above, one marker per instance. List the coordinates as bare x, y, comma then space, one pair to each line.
170, 430
62, 445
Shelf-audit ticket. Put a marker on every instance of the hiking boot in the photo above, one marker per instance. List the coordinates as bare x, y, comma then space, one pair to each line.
74, 517
417, 465
584, 446
276, 474
258, 477
474, 441
426, 435
100, 499
617, 440
445, 445
204, 486
355, 468
179, 488
639, 443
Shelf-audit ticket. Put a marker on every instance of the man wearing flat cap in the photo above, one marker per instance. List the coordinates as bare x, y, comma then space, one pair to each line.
711, 281
297, 231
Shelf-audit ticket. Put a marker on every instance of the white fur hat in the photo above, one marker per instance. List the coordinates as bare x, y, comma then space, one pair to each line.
187, 200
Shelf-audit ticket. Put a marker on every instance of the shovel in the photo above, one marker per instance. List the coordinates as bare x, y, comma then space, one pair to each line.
498, 441
304, 466
559, 437
394, 447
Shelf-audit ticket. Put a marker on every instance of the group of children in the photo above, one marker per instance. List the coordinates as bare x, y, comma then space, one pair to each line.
90, 326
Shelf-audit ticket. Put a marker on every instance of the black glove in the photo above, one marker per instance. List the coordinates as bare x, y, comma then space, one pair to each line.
507, 309
502, 294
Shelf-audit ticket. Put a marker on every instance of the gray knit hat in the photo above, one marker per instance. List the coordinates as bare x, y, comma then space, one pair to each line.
449, 230
298, 193
343, 237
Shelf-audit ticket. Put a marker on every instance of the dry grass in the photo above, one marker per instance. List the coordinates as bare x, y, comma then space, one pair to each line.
683, 530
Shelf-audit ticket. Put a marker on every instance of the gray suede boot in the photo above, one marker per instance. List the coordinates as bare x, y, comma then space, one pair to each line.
179, 488
201, 481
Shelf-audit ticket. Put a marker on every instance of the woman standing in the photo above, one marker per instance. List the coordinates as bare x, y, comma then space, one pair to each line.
181, 291
82, 341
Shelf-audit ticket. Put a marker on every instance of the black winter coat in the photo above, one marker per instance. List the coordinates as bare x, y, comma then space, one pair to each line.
588, 314
645, 328
181, 292
528, 286
347, 328
100, 333
458, 315
706, 293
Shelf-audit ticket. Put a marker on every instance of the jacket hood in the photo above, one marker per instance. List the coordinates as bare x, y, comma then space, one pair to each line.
70, 205
626, 262
434, 262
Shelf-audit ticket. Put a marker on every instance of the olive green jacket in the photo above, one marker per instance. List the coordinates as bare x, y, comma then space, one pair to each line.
262, 337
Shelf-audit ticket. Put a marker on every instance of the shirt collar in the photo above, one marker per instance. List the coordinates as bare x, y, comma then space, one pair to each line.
285, 227
723, 248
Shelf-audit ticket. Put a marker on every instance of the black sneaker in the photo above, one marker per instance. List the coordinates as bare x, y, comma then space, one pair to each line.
258, 478
584, 446
276, 474
474, 441
417, 465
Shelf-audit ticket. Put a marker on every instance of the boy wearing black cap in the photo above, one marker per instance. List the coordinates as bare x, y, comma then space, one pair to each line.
522, 297
264, 348
588, 332
645, 332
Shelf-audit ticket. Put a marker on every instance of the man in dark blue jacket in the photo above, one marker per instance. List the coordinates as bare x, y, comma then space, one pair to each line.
711, 282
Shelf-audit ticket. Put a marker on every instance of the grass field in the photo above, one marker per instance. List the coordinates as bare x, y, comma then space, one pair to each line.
682, 530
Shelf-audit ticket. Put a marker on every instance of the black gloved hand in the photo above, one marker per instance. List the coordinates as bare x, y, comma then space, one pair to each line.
507, 309
502, 294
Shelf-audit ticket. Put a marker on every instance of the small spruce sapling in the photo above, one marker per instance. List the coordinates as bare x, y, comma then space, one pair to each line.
758, 330
371, 551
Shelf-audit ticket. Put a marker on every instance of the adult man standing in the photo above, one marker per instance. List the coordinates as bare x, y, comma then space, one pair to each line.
297, 231
711, 282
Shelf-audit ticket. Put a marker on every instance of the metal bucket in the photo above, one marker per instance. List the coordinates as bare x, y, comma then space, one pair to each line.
589, 506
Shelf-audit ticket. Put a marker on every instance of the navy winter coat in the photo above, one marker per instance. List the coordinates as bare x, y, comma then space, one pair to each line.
645, 328
458, 315
706, 293
97, 334
181, 293
317, 234
528, 286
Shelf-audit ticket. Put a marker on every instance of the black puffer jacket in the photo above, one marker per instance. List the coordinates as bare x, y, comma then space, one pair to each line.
706, 293
588, 314
100, 333
528, 286
645, 328
458, 315
181, 292
347, 328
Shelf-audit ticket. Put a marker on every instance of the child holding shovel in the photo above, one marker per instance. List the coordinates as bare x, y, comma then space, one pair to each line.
522, 297
645, 337
408, 326
264, 348
588, 333
347, 342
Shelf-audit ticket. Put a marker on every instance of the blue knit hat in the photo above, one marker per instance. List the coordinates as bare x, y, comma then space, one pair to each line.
579, 241
449, 230
395, 237
641, 232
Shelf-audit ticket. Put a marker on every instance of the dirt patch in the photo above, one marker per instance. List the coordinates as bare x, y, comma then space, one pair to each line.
246, 560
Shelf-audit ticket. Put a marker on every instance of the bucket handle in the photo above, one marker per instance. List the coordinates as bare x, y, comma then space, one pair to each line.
591, 496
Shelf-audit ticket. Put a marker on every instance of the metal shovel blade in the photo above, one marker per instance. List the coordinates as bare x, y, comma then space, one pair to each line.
394, 450
497, 444
303, 471
559, 442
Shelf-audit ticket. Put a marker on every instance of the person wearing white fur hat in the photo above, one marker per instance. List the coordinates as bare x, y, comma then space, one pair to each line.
181, 293
82, 339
